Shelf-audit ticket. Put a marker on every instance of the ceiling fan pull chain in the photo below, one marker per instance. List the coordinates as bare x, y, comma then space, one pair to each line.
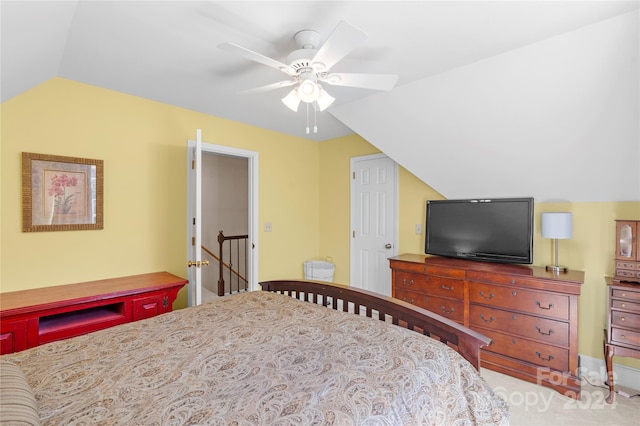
315, 118
307, 118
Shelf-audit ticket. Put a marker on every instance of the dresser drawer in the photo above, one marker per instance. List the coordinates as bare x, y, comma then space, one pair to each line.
626, 273
625, 264
431, 284
451, 309
626, 294
534, 302
527, 350
407, 266
407, 280
505, 279
528, 326
625, 319
625, 337
444, 271
625, 305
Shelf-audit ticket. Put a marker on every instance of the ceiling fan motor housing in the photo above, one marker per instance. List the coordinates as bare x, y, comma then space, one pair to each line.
301, 60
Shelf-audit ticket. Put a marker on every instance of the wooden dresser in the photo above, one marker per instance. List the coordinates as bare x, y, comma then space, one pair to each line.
622, 336
30, 318
531, 314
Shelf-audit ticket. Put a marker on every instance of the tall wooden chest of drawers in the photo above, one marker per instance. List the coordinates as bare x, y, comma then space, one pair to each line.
622, 336
530, 314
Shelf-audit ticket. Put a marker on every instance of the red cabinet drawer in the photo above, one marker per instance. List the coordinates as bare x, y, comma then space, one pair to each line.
13, 336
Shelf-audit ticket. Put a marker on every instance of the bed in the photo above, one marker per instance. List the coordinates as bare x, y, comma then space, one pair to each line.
277, 356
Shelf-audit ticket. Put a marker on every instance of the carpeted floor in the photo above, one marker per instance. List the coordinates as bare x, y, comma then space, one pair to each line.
533, 404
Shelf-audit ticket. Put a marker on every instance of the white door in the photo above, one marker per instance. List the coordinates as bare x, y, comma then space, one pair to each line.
373, 221
194, 214
194, 221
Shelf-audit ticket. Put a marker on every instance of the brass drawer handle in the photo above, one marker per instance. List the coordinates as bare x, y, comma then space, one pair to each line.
544, 359
544, 334
486, 297
405, 282
542, 307
444, 287
404, 299
491, 319
445, 310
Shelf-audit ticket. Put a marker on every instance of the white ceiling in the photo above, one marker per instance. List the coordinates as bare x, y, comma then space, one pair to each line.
167, 50
449, 55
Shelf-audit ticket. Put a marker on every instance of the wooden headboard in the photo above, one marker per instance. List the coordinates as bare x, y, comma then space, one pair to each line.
349, 299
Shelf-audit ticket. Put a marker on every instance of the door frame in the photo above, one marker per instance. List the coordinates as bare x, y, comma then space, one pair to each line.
252, 205
353, 219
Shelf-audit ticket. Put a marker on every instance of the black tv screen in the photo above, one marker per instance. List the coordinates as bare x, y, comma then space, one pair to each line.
493, 230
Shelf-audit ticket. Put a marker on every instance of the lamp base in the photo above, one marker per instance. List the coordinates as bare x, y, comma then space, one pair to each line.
557, 269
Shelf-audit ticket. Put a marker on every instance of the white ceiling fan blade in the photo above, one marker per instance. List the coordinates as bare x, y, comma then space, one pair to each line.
257, 57
344, 38
268, 87
363, 81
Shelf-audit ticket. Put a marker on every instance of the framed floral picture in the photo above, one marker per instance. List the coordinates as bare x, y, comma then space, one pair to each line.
61, 193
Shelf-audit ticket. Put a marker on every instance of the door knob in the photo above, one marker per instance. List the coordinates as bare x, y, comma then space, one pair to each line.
387, 246
197, 263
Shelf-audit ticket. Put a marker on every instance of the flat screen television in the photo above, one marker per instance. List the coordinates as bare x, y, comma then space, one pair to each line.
490, 230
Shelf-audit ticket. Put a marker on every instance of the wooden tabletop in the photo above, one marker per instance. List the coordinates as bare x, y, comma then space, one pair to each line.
25, 300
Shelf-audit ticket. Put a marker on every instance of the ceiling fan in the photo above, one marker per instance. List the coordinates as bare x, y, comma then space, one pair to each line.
310, 65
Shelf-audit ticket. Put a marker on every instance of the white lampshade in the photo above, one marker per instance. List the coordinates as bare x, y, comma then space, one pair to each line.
557, 225
292, 100
324, 99
308, 91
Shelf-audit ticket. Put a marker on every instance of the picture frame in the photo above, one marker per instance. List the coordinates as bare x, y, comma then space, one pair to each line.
61, 193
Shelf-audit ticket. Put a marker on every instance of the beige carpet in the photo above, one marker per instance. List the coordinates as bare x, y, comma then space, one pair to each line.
532, 404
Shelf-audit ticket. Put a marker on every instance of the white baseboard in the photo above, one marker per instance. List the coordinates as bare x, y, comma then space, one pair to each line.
596, 369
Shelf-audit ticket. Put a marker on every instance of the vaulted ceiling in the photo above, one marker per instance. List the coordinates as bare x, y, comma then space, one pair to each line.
466, 113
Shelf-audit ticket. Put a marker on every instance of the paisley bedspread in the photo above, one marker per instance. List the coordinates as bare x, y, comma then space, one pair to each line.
257, 358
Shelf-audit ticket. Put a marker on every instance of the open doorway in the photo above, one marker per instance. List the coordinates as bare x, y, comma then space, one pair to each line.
225, 212
222, 196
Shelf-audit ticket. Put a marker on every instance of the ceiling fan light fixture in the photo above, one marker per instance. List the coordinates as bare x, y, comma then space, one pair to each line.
308, 91
324, 99
292, 100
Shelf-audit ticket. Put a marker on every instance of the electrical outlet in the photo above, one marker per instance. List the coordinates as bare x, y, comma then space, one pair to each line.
268, 227
418, 229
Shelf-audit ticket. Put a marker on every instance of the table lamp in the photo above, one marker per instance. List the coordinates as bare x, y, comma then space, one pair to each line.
559, 226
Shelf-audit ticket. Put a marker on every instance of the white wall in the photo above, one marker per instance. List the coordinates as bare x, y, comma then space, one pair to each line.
557, 120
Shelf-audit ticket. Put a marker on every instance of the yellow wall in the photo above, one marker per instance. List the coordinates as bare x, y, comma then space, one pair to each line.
143, 145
